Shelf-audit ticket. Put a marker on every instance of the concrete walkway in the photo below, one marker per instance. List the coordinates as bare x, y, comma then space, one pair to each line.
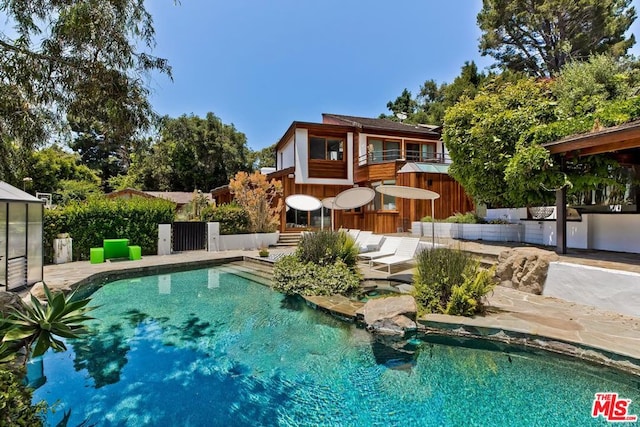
532, 316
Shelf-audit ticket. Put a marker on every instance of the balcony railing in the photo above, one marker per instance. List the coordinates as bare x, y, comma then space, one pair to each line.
384, 156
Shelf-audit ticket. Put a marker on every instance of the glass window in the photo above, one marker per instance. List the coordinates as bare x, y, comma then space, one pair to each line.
317, 148
392, 150
375, 150
326, 148
382, 201
428, 152
34, 242
17, 230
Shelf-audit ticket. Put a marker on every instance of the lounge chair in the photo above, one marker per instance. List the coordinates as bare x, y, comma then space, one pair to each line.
354, 233
389, 247
405, 253
372, 243
362, 238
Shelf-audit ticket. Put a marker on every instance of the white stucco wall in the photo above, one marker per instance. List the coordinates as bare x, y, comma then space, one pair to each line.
611, 290
302, 155
513, 215
286, 154
362, 143
615, 232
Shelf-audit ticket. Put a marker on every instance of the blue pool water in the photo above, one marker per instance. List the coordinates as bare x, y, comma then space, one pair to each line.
209, 348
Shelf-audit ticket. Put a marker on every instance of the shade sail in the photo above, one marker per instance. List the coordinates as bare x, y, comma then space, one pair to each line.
354, 198
407, 192
303, 202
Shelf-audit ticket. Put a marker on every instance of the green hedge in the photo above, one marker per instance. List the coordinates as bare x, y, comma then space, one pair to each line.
292, 276
233, 218
89, 222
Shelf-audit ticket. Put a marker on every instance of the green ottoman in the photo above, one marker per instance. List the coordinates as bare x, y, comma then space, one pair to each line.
96, 255
135, 253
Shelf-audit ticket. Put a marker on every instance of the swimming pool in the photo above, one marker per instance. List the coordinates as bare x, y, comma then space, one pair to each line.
208, 348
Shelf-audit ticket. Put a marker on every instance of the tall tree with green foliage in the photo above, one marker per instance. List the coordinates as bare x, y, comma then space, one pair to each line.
192, 153
76, 66
482, 134
433, 99
540, 36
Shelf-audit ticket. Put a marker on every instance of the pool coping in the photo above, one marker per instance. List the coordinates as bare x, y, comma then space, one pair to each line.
460, 327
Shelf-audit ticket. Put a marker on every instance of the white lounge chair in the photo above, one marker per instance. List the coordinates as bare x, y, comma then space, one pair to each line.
405, 253
363, 236
389, 246
372, 243
354, 233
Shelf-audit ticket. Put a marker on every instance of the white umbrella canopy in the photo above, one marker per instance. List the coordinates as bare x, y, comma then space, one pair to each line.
413, 193
303, 202
407, 192
354, 198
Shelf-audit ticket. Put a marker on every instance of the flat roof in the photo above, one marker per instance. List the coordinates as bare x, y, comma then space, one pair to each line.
12, 194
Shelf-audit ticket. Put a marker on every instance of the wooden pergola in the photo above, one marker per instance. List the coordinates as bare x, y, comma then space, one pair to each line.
622, 141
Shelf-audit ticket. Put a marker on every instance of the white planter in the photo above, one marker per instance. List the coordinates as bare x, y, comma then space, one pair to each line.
471, 231
444, 230
247, 241
502, 232
62, 250
416, 229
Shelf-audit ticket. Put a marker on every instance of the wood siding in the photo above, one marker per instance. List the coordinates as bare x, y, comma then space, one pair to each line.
452, 196
330, 169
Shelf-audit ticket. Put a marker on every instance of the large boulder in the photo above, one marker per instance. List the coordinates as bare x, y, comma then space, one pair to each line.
524, 269
392, 315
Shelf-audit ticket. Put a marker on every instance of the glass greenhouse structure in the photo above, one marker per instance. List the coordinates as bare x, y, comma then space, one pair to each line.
21, 255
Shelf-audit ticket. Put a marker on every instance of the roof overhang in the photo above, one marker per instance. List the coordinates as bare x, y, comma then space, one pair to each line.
617, 138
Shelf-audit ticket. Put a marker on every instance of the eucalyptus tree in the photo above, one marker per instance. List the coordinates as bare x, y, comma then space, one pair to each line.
80, 66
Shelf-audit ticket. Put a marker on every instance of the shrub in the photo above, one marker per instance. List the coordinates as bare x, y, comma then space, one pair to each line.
233, 218
327, 247
15, 401
466, 299
450, 281
467, 218
292, 276
96, 219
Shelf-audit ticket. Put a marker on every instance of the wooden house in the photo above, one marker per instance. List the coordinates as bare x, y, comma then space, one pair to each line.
342, 152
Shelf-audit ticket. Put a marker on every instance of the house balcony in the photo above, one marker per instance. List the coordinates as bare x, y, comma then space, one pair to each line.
386, 156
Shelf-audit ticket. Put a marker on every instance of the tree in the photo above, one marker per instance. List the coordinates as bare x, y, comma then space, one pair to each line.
264, 158
260, 198
482, 135
540, 36
51, 167
432, 101
404, 104
192, 153
79, 64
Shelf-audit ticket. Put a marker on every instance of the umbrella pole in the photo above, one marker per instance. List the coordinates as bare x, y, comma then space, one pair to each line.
433, 227
322, 218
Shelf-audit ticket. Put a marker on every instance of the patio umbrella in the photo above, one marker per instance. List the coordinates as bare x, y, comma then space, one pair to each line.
328, 203
413, 193
303, 202
354, 197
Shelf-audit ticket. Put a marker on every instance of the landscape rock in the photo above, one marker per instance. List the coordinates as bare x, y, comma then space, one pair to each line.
392, 315
524, 269
9, 301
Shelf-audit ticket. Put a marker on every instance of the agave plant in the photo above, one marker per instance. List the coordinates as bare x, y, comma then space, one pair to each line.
41, 325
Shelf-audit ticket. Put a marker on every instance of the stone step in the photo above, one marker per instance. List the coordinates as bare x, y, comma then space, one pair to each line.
246, 273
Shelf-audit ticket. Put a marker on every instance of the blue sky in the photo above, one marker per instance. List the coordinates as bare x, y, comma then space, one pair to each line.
262, 64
